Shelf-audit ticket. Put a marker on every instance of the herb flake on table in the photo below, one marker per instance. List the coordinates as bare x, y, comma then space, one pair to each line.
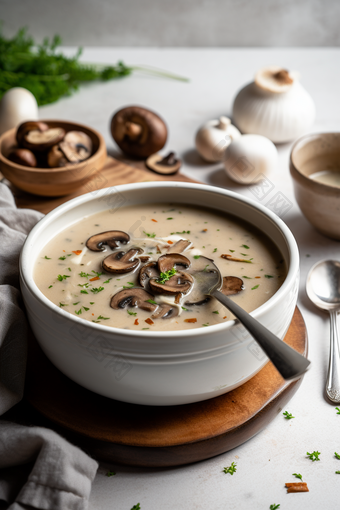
231, 469
337, 455
314, 456
338, 410
274, 507
337, 472
288, 415
110, 473
137, 507
297, 475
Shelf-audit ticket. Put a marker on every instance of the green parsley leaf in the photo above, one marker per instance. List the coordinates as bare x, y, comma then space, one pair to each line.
185, 309
86, 309
150, 235
231, 469
268, 276
63, 257
79, 311
243, 254
62, 304
84, 284
110, 473
337, 455
232, 251
288, 415
77, 303
145, 328
169, 218
84, 275
338, 410
62, 277
216, 311
100, 317
183, 232
164, 277
256, 287
274, 507
107, 281
314, 456
131, 313
96, 290
214, 250
247, 277
91, 302
136, 507
47, 258
205, 325
97, 274
197, 256
50, 286
337, 472
151, 301
83, 292
297, 476
245, 246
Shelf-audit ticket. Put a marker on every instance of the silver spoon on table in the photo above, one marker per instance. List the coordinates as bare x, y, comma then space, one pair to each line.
323, 289
289, 363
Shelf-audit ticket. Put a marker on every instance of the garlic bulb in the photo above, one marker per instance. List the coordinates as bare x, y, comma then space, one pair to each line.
16, 106
275, 105
249, 158
213, 138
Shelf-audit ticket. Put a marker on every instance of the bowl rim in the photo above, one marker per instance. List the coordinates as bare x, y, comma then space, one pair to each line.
101, 145
28, 280
316, 185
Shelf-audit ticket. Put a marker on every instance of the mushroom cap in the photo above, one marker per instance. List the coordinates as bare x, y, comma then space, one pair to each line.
138, 132
56, 158
23, 157
146, 272
133, 297
167, 165
231, 285
122, 262
76, 146
179, 283
170, 260
179, 247
275, 79
38, 136
165, 311
110, 237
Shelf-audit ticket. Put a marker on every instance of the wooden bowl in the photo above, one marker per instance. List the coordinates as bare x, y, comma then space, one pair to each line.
319, 202
53, 181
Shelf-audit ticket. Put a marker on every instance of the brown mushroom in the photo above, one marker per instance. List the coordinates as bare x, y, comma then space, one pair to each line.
133, 297
179, 283
122, 262
146, 272
170, 260
56, 158
167, 165
38, 136
231, 285
76, 146
23, 157
111, 238
138, 132
165, 311
179, 247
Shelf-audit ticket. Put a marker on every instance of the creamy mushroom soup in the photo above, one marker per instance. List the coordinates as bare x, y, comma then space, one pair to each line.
143, 267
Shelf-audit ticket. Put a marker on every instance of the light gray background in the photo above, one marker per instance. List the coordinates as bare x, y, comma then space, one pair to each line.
191, 23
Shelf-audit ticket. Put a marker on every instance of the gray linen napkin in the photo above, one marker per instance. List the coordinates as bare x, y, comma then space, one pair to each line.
61, 476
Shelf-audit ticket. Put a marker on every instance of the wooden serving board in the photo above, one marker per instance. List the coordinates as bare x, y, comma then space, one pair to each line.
113, 173
160, 436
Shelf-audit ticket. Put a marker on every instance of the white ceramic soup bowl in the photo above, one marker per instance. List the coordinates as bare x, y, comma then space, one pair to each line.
156, 368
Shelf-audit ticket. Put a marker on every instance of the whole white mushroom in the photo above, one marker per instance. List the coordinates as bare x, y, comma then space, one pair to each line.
249, 158
213, 138
16, 106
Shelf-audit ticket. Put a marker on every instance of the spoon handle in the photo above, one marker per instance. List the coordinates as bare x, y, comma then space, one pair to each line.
333, 377
289, 363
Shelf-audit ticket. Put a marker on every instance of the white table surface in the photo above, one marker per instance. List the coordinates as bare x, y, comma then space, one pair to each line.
268, 460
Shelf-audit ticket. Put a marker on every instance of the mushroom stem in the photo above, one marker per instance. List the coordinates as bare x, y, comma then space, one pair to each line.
283, 77
168, 160
224, 123
133, 130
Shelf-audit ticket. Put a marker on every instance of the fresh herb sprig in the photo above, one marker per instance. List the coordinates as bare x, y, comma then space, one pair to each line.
314, 456
231, 469
288, 415
164, 277
49, 74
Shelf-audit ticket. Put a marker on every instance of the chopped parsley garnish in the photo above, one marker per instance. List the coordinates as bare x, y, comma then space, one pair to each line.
268, 276
77, 303
205, 325
338, 410
62, 277
86, 309
83, 285
78, 312
297, 475
216, 229
83, 292
100, 317
151, 301
149, 235
91, 302
97, 274
185, 309
110, 473
137, 507
245, 246
131, 313
243, 254
232, 251
183, 232
214, 250
47, 258
169, 218
96, 290
62, 304
107, 281
314, 456
247, 277
84, 275
337, 455
63, 257
337, 472
216, 311
231, 469
50, 286
164, 277
197, 256
288, 415
256, 287
274, 507
145, 328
